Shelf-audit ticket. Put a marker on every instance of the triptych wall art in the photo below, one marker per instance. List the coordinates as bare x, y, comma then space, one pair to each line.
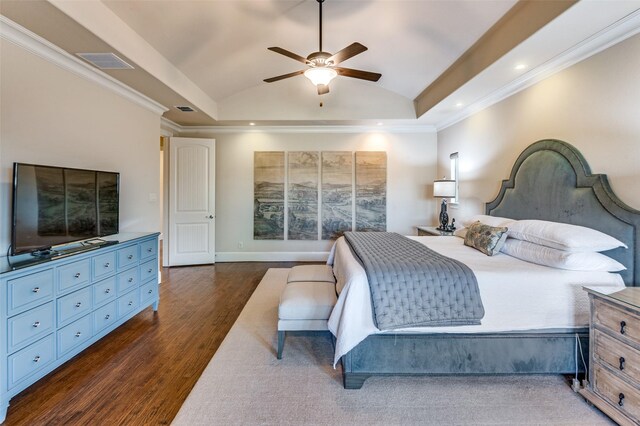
320, 188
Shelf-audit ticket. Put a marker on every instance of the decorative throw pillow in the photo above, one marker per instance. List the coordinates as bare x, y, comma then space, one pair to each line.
487, 239
488, 220
573, 261
562, 236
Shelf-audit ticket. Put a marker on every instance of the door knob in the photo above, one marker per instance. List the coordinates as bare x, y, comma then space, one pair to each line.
210, 216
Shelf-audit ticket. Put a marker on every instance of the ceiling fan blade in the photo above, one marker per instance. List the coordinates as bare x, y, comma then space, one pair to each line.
288, 54
346, 53
282, 77
323, 89
363, 75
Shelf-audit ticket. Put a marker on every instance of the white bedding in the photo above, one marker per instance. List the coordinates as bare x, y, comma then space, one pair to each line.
516, 295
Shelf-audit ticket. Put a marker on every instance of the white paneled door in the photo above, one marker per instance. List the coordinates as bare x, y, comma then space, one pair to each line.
191, 201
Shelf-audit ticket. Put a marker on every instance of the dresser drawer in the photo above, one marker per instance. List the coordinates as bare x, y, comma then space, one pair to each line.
30, 326
617, 355
74, 334
127, 280
29, 291
104, 265
74, 275
149, 270
148, 291
104, 317
74, 305
148, 249
30, 360
128, 303
127, 257
619, 322
622, 395
104, 291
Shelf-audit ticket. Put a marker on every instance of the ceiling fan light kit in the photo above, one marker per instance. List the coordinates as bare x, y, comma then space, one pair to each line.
322, 65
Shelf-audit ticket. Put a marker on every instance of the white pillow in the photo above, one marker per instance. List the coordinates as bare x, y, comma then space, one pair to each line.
460, 232
495, 221
574, 261
562, 236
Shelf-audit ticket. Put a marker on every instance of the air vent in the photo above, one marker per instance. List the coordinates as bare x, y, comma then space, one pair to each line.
105, 61
185, 108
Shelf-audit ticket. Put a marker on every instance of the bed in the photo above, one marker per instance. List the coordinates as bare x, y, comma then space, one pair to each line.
550, 181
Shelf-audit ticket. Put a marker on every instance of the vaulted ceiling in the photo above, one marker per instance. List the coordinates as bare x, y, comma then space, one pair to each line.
435, 57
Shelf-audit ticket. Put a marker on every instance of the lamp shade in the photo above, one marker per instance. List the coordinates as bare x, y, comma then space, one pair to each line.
444, 188
320, 75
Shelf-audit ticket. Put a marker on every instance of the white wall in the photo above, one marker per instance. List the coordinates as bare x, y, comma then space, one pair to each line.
593, 105
411, 168
51, 116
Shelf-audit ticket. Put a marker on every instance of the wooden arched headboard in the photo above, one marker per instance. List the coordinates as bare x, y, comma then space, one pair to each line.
552, 181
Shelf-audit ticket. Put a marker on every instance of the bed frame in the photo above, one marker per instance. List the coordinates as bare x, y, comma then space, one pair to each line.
550, 180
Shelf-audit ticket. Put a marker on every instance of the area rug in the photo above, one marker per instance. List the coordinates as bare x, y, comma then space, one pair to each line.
244, 384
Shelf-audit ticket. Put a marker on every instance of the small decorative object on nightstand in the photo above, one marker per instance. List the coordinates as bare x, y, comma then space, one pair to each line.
431, 231
614, 354
444, 188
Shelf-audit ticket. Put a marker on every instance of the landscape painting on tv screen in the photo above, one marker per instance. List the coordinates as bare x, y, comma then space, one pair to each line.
55, 205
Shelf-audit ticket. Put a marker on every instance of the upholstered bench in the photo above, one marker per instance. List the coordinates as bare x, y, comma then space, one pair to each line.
307, 301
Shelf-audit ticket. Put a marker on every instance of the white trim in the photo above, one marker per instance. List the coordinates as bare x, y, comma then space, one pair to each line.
169, 128
46, 50
308, 129
272, 256
613, 34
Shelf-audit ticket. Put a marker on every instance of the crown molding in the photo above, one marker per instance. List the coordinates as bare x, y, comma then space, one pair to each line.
306, 129
169, 128
46, 50
609, 36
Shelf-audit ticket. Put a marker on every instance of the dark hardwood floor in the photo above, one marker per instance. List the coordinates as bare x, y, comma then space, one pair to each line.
142, 372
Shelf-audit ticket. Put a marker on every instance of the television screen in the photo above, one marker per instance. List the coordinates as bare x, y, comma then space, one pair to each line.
56, 205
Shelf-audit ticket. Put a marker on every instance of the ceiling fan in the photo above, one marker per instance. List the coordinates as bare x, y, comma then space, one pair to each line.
322, 65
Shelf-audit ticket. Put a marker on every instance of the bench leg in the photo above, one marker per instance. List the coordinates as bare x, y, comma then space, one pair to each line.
280, 343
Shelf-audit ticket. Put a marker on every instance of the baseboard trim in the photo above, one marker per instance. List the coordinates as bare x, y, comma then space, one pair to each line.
269, 256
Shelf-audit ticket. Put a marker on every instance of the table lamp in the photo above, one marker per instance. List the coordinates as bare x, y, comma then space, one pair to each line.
444, 188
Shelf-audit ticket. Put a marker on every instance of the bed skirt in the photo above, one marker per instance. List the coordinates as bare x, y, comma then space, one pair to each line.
536, 352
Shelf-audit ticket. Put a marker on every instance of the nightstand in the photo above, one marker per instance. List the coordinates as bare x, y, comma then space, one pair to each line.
431, 231
614, 354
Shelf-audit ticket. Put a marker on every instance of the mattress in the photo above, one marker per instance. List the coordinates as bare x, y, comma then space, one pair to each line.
517, 295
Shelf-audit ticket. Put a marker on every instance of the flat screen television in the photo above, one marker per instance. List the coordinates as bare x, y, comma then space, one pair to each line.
59, 205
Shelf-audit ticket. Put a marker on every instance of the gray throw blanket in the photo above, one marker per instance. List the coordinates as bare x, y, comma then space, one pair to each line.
412, 285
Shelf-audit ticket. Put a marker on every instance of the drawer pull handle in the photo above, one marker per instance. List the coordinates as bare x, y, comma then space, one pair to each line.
150, 291
149, 270
149, 250
106, 265
621, 400
623, 325
130, 257
77, 275
37, 358
78, 334
107, 316
107, 291
130, 279
622, 363
36, 324
36, 289
78, 304
130, 302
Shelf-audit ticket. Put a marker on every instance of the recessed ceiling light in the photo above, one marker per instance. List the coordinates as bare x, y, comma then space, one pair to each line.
252, 124
519, 67
459, 104
379, 124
